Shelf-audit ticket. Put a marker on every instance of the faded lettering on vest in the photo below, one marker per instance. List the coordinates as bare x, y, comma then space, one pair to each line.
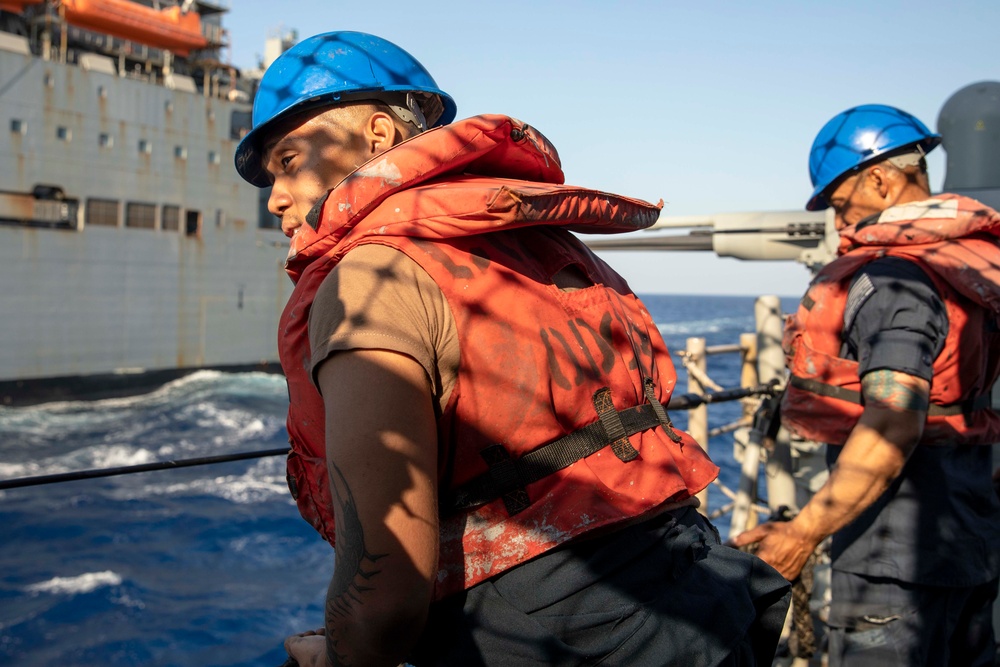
456, 270
587, 367
642, 350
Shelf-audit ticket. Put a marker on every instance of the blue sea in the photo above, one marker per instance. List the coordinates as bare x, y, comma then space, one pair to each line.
209, 565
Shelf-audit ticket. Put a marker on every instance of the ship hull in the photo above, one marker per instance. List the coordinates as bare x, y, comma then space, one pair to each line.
129, 246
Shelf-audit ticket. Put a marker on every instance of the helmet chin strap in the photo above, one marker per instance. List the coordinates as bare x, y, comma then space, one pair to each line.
411, 113
422, 110
906, 160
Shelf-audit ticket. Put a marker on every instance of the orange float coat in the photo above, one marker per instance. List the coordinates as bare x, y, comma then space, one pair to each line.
478, 205
954, 240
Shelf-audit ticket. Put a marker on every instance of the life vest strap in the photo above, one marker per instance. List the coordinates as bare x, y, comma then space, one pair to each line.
507, 478
613, 426
649, 388
966, 407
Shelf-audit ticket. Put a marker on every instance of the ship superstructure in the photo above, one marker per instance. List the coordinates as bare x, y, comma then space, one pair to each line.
130, 250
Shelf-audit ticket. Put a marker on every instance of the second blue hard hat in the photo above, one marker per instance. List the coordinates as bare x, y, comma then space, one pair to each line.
859, 136
326, 69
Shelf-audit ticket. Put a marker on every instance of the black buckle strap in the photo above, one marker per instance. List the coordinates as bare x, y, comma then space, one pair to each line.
507, 477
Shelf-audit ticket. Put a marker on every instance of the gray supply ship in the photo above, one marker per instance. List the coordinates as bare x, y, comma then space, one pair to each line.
130, 250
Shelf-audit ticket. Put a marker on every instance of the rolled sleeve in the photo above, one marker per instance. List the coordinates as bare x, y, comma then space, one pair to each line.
904, 351
377, 298
902, 323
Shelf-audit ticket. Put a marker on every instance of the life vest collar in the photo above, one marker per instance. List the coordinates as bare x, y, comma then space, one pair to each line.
972, 268
492, 146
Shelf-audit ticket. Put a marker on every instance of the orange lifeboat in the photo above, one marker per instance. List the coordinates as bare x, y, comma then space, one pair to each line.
166, 28
17, 6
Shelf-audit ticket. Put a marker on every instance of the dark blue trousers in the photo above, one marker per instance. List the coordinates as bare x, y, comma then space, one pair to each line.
661, 592
877, 622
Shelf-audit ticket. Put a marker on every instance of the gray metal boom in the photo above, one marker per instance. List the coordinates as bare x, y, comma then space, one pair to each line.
802, 236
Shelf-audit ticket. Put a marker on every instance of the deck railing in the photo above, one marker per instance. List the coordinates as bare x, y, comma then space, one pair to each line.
762, 363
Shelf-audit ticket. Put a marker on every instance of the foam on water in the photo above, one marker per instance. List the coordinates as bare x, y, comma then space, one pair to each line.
83, 583
705, 327
263, 482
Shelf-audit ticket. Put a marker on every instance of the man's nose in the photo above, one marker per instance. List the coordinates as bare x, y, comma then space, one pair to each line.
279, 201
839, 222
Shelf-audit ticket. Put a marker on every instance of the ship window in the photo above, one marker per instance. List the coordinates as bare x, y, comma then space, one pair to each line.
213, 157
64, 133
18, 126
192, 223
103, 212
140, 215
171, 219
145, 147
105, 140
180, 153
102, 92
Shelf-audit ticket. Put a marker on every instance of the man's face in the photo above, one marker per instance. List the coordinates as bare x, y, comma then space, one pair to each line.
855, 199
306, 158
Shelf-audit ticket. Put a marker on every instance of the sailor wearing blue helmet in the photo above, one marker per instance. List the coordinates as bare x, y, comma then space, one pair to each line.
495, 495
893, 353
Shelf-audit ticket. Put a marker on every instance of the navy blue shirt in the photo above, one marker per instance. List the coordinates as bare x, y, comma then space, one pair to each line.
939, 523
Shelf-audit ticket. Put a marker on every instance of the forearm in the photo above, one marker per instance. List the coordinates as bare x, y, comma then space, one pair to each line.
873, 456
379, 596
370, 637
854, 484
382, 469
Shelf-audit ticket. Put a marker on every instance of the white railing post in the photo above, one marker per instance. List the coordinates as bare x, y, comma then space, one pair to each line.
698, 417
771, 366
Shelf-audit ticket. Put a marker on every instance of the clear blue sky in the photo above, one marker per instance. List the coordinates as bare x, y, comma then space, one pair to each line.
710, 105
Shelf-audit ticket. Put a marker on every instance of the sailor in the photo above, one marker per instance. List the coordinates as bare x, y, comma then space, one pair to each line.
476, 400
893, 352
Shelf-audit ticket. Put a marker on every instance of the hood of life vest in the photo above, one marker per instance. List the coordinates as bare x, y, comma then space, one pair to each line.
488, 146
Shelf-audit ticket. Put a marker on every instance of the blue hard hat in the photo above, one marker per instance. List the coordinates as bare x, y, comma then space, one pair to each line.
857, 137
327, 69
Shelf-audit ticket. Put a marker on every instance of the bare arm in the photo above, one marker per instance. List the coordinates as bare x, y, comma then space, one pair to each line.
873, 456
382, 457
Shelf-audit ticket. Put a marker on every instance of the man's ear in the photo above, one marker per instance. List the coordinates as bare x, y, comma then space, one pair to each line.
879, 180
380, 133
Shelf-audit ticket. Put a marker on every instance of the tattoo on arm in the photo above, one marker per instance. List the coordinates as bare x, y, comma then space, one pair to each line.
354, 566
882, 388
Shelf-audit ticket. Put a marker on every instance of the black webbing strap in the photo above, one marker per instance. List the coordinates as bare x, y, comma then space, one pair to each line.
851, 396
613, 426
650, 389
507, 478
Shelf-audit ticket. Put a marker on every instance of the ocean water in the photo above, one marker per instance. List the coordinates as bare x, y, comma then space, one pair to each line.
208, 565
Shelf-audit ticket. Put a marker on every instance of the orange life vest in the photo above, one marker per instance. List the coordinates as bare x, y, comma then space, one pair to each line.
555, 425
954, 240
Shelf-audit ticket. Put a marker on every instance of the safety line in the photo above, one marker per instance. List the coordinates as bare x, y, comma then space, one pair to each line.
142, 467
